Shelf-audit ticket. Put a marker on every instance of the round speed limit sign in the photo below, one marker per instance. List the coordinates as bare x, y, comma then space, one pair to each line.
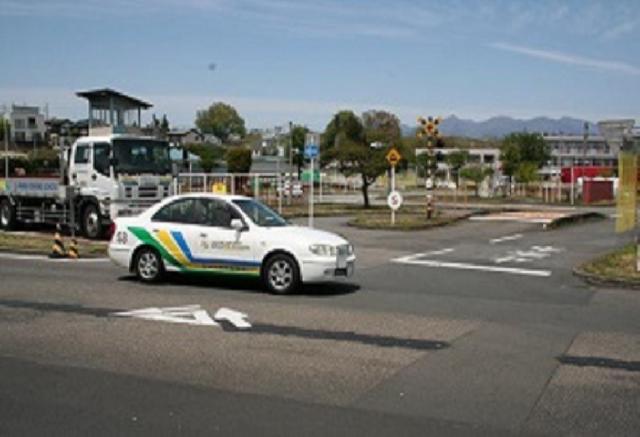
394, 200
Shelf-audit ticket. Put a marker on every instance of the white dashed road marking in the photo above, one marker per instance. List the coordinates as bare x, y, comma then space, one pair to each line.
506, 238
467, 266
421, 255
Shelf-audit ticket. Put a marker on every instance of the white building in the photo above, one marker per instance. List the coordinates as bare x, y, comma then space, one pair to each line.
27, 124
489, 157
576, 150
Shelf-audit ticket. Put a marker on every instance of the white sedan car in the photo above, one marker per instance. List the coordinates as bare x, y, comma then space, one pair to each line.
231, 235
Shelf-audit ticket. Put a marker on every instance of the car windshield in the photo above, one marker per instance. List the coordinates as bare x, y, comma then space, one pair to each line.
259, 213
134, 156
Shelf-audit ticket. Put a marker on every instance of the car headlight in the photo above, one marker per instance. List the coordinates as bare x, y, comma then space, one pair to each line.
323, 250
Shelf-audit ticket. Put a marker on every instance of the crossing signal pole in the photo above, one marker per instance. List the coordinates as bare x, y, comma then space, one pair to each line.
428, 128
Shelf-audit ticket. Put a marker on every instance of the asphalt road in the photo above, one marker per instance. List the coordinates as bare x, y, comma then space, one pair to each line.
474, 329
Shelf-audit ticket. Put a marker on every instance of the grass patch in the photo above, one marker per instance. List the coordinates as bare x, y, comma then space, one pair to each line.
32, 243
405, 221
325, 210
617, 265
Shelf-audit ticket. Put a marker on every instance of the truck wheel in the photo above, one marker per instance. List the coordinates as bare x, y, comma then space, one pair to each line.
148, 265
91, 222
281, 274
7, 215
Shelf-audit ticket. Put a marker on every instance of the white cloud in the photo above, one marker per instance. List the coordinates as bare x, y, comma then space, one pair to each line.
619, 30
570, 59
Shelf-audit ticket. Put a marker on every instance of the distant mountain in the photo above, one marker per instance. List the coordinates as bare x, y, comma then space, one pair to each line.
497, 127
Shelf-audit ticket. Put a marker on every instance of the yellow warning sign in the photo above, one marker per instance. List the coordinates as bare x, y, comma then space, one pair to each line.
219, 188
393, 157
626, 204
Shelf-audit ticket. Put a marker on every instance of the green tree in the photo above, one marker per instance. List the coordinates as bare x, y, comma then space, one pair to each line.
345, 141
344, 126
382, 127
527, 172
456, 160
221, 120
298, 135
522, 147
5, 126
425, 162
522, 154
510, 157
476, 173
239, 160
164, 124
209, 155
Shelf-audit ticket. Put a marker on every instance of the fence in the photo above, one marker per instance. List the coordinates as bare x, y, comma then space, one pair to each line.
271, 188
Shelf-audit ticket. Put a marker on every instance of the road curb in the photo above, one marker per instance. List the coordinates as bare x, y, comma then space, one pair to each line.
594, 279
575, 218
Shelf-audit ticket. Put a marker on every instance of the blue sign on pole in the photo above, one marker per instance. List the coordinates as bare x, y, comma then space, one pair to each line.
310, 151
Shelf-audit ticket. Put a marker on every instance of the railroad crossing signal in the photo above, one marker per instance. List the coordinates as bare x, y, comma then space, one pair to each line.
428, 127
393, 157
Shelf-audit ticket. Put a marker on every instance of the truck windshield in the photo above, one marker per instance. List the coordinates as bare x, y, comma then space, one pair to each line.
259, 213
135, 156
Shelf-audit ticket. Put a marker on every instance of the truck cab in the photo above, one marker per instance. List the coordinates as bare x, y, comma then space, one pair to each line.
115, 176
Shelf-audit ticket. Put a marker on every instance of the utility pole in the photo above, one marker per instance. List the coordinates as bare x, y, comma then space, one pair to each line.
5, 134
290, 199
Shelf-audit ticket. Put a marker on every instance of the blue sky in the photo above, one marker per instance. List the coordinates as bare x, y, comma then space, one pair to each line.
302, 60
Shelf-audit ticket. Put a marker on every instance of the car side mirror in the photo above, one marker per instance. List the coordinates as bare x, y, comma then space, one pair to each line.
238, 225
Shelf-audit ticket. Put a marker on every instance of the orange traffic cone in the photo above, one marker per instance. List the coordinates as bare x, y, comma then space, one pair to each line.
57, 249
73, 249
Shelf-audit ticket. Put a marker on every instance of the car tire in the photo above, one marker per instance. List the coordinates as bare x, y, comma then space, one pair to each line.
281, 274
7, 215
91, 222
148, 265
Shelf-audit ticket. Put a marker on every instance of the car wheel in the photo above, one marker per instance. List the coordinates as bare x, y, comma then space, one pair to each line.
7, 215
148, 265
281, 274
91, 223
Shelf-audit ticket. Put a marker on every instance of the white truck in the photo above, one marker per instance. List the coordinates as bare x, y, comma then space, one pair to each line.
100, 178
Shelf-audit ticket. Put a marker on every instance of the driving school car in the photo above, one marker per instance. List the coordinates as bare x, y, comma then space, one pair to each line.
230, 235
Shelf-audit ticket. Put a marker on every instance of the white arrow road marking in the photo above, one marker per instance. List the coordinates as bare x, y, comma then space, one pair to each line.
519, 256
236, 318
546, 249
506, 238
189, 315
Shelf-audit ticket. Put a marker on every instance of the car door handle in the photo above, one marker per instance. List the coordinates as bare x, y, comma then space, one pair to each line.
74, 176
94, 177
203, 235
